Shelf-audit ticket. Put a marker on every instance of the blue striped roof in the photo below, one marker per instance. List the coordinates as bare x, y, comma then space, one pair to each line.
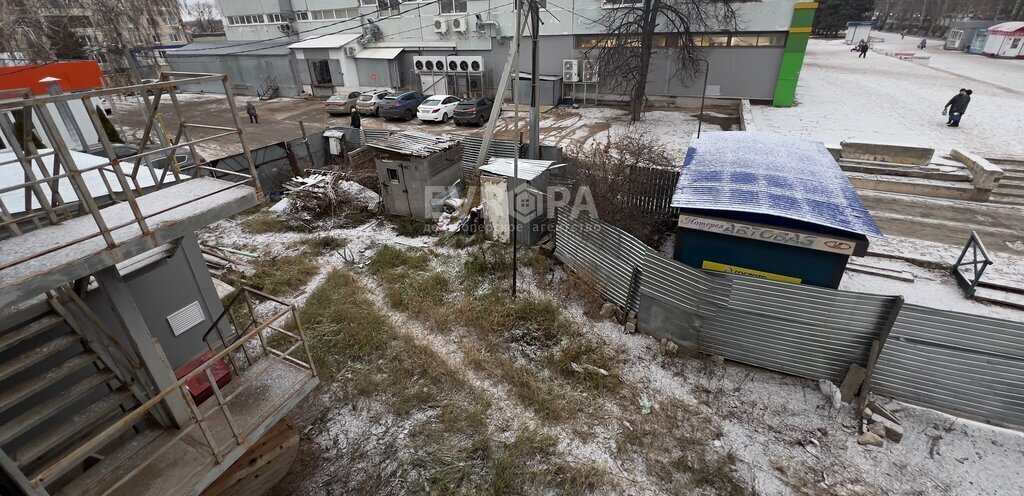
774, 175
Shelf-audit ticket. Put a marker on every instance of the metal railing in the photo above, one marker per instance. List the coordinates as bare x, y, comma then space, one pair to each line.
64, 172
975, 266
257, 332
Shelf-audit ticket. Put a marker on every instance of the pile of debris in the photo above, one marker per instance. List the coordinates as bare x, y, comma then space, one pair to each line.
876, 424
223, 261
327, 197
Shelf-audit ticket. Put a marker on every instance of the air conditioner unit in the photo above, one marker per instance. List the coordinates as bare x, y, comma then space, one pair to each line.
460, 24
284, 28
350, 51
440, 25
589, 71
466, 64
420, 63
571, 70
439, 65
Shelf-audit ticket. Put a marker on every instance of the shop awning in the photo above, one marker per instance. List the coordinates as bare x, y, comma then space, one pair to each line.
329, 41
379, 53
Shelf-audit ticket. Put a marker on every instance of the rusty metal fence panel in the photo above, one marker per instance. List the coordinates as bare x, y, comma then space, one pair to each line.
966, 365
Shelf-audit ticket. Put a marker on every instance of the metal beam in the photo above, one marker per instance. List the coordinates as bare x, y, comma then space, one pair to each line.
153, 360
492, 121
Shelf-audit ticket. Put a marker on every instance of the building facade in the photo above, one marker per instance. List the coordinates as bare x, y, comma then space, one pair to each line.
108, 32
343, 45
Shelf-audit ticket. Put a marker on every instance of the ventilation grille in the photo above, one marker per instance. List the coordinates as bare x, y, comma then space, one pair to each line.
186, 318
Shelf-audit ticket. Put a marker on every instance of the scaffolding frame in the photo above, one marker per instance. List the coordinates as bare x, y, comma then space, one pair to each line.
63, 169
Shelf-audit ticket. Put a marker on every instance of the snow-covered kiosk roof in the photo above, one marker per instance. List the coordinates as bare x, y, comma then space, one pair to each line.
1007, 28
769, 174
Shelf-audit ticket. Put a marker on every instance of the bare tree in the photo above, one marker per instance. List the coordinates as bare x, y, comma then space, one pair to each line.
202, 16
624, 52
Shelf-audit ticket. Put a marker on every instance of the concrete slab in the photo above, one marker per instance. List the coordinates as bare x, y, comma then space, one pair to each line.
986, 174
53, 258
896, 154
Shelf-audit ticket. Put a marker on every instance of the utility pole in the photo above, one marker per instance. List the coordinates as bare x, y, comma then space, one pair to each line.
534, 79
513, 221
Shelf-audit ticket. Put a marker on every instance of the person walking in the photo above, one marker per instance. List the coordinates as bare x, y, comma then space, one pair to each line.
903, 34
356, 119
251, 110
923, 44
863, 49
957, 106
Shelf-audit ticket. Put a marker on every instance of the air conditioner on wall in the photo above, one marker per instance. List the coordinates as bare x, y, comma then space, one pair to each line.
571, 70
350, 51
420, 63
589, 71
460, 24
465, 63
440, 25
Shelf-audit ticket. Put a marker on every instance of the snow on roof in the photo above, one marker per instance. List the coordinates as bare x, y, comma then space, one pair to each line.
13, 175
528, 169
210, 48
329, 41
1007, 28
415, 143
764, 173
379, 53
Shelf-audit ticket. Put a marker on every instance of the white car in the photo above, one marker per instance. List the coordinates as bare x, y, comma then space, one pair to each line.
437, 108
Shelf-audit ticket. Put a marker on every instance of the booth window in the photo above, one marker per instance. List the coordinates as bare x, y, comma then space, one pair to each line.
393, 175
321, 70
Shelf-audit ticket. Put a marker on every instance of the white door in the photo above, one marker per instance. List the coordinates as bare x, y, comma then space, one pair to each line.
434, 84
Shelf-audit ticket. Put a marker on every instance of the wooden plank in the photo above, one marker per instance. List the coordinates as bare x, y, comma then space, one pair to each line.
261, 466
876, 350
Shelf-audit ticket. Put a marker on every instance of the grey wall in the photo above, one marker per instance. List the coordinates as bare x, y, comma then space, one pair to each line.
245, 72
382, 68
407, 198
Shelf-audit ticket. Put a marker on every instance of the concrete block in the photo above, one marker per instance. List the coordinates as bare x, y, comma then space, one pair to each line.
893, 431
851, 384
919, 187
746, 117
869, 439
986, 174
895, 154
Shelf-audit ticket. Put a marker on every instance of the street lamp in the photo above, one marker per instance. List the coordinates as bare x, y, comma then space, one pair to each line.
704, 94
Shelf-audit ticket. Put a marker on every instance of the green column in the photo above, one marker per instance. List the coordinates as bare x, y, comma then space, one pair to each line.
793, 56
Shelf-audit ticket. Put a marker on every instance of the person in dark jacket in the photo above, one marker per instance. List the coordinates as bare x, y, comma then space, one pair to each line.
957, 106
355, 119
863, 49
251, 110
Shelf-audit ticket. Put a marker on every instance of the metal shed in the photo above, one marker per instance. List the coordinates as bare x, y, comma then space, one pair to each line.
768, 206
549, 90
522, 203
417, 171
250, 66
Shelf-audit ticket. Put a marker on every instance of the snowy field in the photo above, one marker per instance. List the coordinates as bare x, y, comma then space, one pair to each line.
886, 100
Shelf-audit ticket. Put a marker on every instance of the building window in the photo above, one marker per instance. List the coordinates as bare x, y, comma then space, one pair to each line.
169, 21
175, 37
393, 175
611, 4
274, 18
452, 6
302, 16
368, 3
156, 38
743, 40
321, 71
1015, 43
771, 39
387, 8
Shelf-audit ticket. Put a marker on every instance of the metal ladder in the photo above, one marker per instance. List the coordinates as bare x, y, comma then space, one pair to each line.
62, 378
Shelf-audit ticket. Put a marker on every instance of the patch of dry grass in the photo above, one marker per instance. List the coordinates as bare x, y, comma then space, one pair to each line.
282, 276
263, 222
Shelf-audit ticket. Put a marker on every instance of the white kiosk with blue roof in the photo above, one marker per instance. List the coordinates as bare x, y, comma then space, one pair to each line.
768, 206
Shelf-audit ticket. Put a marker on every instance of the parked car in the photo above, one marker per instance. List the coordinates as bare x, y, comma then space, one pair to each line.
369, 102
437, 108
159, 160
401, 105
342, 104
473, 111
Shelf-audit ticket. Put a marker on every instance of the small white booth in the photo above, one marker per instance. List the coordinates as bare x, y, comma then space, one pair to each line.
1005, 40
858, 30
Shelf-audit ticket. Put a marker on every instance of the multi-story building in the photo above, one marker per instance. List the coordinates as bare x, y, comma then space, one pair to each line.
460, 47
106, 31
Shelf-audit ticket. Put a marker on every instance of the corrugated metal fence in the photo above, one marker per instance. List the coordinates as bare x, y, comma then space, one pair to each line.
965, 364
962, 364
471, 150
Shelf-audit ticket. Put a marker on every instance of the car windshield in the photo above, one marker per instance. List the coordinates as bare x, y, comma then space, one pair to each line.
365, 98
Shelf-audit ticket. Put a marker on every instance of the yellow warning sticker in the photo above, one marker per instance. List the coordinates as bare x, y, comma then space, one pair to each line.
732, 269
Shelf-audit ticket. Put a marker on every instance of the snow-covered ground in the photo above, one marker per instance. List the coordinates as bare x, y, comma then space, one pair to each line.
886, 100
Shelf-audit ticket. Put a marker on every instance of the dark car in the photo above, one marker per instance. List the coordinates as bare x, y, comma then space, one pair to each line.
473, 111
401, 105
159, 160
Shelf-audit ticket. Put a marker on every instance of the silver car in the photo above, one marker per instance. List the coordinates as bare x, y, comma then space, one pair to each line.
368, 103
342, 104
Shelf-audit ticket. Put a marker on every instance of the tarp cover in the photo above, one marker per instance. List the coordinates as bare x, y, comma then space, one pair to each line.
768, 174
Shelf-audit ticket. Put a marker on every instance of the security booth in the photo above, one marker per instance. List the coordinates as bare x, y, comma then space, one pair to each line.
768, 206
415, 170
858, 30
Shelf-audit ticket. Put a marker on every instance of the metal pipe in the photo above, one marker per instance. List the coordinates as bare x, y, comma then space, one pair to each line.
707, 69
241, 137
